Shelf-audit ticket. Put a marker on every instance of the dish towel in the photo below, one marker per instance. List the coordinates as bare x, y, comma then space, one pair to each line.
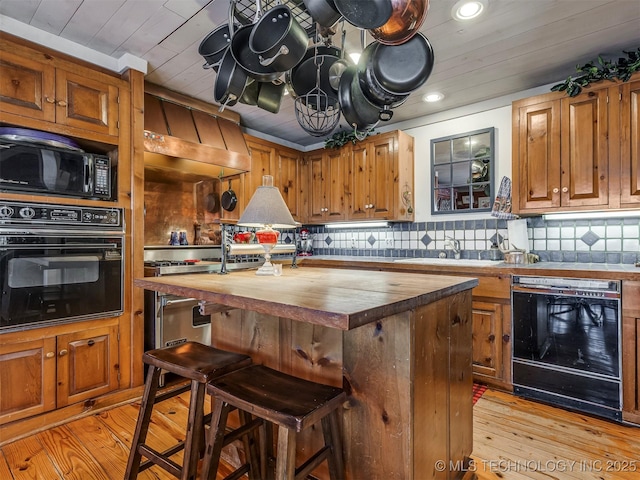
502, 203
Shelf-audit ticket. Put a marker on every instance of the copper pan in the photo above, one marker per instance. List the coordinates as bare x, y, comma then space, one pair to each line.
406, 19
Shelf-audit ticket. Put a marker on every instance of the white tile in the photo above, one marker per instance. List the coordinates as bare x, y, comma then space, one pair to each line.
614, 245
581, 246
481, 234
567, 233
458, 234
630, 245
553, 245
539, 232
469, 234
413, 244
631, 231
567, 244
405, 235
599, 246
439, 235
469, 245
539, 244
553, 232
614, 231
580, 231
598, 230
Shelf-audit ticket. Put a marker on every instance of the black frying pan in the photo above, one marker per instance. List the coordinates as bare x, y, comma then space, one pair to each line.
229, 199
365, 14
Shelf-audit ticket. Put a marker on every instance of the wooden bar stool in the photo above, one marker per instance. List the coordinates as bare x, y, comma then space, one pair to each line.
291, 403
198, 363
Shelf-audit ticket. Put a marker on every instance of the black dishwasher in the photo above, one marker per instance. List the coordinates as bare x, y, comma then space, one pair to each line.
566, 343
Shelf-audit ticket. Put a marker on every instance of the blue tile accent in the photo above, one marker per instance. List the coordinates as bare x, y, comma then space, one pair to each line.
371, 240
590, 238
328, 241
426, 240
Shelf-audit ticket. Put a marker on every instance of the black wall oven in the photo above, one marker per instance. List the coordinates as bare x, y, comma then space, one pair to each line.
566, 343
59, 264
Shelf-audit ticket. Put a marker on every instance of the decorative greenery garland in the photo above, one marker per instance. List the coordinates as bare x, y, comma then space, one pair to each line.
342, 137
604, 70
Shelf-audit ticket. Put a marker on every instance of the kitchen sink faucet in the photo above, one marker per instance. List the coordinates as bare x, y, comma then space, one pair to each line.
454, 245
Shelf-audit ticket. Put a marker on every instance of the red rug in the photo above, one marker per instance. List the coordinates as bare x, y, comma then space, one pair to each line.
478, 390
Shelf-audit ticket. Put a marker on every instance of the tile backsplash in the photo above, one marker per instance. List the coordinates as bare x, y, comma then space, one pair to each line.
613, 240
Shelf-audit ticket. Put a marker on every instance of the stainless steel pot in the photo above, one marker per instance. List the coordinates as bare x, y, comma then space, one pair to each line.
323, 12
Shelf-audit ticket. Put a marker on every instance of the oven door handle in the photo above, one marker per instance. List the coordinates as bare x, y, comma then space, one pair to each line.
43, 246
168, 303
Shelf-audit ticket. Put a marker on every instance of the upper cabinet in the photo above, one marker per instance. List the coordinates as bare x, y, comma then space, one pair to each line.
35, 88
371, 180
577, 153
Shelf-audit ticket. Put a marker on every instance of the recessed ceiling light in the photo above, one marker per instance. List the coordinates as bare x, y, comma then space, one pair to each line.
433, 97
468, 9
355, 56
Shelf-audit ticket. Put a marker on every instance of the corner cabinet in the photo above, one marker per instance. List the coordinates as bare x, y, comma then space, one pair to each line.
371, 180
35, 89
577, 153
41, 374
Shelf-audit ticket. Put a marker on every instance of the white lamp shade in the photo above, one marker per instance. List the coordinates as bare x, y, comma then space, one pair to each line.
267, 207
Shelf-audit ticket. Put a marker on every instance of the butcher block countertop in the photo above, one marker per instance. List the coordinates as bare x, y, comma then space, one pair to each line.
335, 298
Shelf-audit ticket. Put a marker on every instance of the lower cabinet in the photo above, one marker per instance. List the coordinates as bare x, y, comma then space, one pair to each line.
41, 374
492, 332
631, 351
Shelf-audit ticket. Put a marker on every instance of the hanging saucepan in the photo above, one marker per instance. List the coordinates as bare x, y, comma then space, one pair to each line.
365, 13
278, 39
213, 46
405, 21
230, 82
248, 60
337, 68
270, 96
304, 75
370, 87
323, 12
359, 112
229, 199
250, 95
401, 69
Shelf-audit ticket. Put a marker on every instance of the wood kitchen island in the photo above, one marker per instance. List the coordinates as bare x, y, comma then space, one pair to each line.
398, 343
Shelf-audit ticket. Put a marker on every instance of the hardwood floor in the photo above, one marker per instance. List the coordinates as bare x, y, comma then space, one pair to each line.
514, 439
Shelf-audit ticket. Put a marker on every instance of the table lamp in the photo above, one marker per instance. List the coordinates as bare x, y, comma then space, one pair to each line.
266, 210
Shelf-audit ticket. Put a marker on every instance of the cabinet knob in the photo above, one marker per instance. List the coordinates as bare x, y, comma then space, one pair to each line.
555, 190
50, 355
63, 352
506, 338
491, 337
371, 205
62, 103
565, 190
50, 100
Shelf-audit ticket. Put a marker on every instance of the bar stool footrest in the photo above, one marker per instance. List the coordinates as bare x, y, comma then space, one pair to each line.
156, 458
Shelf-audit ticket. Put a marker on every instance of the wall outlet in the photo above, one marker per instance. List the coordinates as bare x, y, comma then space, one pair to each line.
388, 242
353, 242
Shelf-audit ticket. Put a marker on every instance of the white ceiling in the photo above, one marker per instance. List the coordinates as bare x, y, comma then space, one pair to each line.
517, 45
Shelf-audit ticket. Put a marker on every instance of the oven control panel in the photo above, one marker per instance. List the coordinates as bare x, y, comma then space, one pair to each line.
40, 214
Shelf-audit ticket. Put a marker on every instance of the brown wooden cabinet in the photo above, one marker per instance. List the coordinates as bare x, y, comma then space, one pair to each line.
580, 153
327, 173
40, 91
560, 152
42, 372
371, 180
630, 144
492, 331
631, 351
280, 162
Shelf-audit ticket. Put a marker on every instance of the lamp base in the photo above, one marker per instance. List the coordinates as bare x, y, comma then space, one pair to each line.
266, 269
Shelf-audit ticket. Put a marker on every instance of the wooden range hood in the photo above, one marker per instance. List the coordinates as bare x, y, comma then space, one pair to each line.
185, 140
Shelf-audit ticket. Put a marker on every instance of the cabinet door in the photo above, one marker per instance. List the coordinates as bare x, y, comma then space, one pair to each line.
86, 103
487, 339
358, 185
27, 378
289, 178
262, 163
315, 187
27, 87
631, 351
630, 147
87, 364
584, 150
335, 185
537, 170
383, 178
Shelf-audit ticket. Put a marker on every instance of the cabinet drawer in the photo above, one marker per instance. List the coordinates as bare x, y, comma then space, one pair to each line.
493, 287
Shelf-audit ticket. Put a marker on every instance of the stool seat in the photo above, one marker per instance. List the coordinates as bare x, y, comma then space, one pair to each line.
194, 361
291, 403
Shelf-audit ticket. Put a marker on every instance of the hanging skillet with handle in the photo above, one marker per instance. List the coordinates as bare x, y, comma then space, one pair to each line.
229, 199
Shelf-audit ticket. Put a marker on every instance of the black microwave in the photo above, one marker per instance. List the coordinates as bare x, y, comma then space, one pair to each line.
31, 168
